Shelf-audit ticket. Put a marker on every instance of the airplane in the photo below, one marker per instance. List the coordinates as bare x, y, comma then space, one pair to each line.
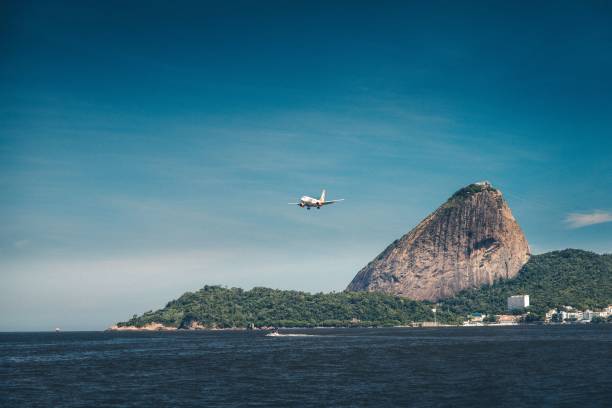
308, 202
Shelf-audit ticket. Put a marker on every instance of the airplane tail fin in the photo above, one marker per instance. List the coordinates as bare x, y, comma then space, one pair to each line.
323, 196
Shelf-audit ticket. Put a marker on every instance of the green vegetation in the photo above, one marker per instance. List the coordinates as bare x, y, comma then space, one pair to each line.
461, 194
597, 319
472, 189
572, 277
490, 319
214, 306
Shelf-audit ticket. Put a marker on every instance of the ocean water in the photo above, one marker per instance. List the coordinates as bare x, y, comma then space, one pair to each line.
538, 366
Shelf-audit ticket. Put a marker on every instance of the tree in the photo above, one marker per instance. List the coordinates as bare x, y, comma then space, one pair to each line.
533, 317
490, 319
556, 318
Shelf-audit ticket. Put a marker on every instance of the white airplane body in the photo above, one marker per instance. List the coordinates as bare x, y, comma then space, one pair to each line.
309, 202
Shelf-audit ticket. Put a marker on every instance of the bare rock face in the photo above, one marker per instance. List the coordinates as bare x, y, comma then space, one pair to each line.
470, 240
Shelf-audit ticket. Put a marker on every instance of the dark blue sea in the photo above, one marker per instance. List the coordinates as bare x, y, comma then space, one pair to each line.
537, 366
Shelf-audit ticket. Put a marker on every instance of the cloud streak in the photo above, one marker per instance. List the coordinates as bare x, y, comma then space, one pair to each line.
579, 220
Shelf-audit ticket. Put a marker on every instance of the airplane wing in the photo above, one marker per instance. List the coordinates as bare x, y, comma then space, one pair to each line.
293, 203
332, 201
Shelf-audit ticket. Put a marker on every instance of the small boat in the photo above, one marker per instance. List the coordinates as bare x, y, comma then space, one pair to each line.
57, 330
274, 333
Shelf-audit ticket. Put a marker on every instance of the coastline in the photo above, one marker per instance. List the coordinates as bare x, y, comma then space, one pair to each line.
197, 327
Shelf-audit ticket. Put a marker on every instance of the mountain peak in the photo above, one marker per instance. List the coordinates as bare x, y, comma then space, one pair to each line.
470, 240
474, 188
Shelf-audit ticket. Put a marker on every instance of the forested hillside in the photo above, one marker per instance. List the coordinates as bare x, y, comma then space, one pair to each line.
214, 306
571, 277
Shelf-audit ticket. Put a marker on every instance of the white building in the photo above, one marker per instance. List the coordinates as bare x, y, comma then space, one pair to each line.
590, 314
550, 314
577, 315
571, 314
518, 302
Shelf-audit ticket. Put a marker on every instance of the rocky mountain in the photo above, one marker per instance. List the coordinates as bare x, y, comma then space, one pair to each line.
470, 240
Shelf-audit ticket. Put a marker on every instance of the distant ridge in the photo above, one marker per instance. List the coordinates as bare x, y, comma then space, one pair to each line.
470, 240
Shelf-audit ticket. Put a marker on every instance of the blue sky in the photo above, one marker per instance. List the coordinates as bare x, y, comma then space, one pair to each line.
149, 149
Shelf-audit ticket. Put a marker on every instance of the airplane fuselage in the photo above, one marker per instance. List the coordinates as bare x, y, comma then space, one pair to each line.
308, 202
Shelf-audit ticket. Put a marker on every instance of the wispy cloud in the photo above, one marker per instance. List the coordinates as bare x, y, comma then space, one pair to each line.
579, 220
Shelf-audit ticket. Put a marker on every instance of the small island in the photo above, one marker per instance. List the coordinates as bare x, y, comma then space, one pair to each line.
553, 280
